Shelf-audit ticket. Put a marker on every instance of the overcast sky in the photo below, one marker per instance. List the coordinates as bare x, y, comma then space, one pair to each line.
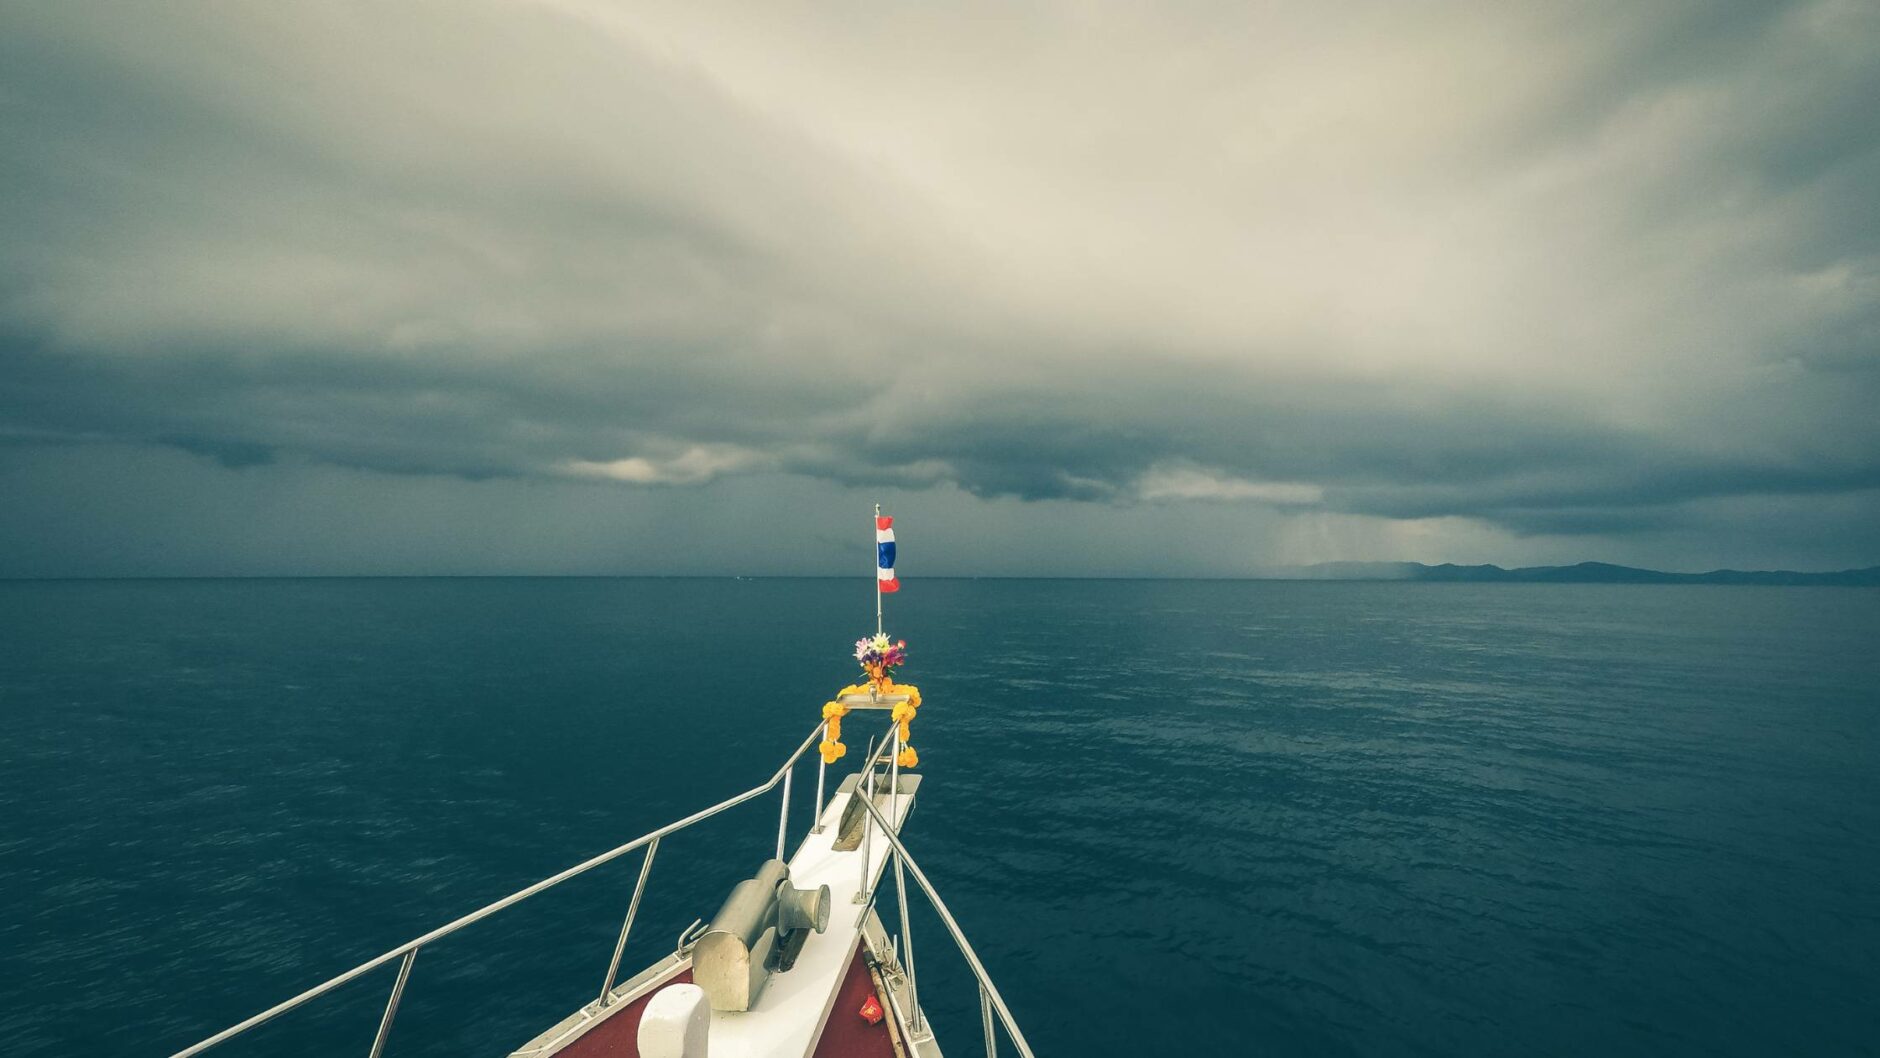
1192, 288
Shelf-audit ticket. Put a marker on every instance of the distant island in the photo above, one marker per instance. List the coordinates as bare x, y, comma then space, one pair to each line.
1583, 573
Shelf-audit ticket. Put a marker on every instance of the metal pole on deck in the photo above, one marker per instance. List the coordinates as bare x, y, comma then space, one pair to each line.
900, 893
865, 788
877, 577
633, 908
783, 813
822, 766
391, 1006
985, 1019
907, 950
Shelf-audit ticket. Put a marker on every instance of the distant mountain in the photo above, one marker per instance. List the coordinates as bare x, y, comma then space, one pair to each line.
1583, 573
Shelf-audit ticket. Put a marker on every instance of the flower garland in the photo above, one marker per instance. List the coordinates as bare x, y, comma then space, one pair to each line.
878, 655
832, 747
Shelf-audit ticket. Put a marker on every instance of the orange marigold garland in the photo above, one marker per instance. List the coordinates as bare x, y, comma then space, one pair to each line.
879, 656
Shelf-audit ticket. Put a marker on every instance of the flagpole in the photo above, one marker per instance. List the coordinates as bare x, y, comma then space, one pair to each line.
877, 580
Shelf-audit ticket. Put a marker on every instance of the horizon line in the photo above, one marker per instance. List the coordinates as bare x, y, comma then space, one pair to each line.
78, 578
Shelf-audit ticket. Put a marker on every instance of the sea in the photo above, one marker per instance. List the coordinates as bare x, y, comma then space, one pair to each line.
1172, 817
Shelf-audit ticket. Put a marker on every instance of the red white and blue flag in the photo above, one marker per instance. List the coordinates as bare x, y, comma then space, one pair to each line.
884, 555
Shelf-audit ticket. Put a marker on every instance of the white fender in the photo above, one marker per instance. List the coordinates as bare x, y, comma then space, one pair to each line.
676, 1024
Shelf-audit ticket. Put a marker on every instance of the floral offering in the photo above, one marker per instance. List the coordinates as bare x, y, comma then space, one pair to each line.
878, 655
879, 651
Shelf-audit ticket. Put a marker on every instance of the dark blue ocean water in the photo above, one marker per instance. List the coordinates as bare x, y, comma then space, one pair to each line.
1175, 817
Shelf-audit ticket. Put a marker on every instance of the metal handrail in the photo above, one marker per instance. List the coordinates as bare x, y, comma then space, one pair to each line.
408, 950
988, 989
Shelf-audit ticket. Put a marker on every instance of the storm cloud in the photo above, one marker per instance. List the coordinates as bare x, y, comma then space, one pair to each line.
1437, 278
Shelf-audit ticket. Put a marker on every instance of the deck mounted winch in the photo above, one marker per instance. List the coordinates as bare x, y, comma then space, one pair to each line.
757, 931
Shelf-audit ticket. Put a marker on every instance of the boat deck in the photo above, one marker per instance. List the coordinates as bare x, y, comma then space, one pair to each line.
814, 1009
846, 1034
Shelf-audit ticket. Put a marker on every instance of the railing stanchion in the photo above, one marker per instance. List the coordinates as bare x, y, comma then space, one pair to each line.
822, 768
959, 939
783, 812
633, 907
985, 1020
391, 1005
865, 789
907, 950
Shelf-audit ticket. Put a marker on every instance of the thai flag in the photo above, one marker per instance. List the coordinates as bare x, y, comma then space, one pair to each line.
884, 555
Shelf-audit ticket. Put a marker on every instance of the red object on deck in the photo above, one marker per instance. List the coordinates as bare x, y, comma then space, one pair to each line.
871, 1011
843, 1036
846, 1036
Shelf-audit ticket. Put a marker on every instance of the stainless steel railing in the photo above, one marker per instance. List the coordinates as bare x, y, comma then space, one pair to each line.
990, 1001
408, 951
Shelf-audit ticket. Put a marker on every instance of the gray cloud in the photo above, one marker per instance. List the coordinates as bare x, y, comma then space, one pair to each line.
1555, 276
